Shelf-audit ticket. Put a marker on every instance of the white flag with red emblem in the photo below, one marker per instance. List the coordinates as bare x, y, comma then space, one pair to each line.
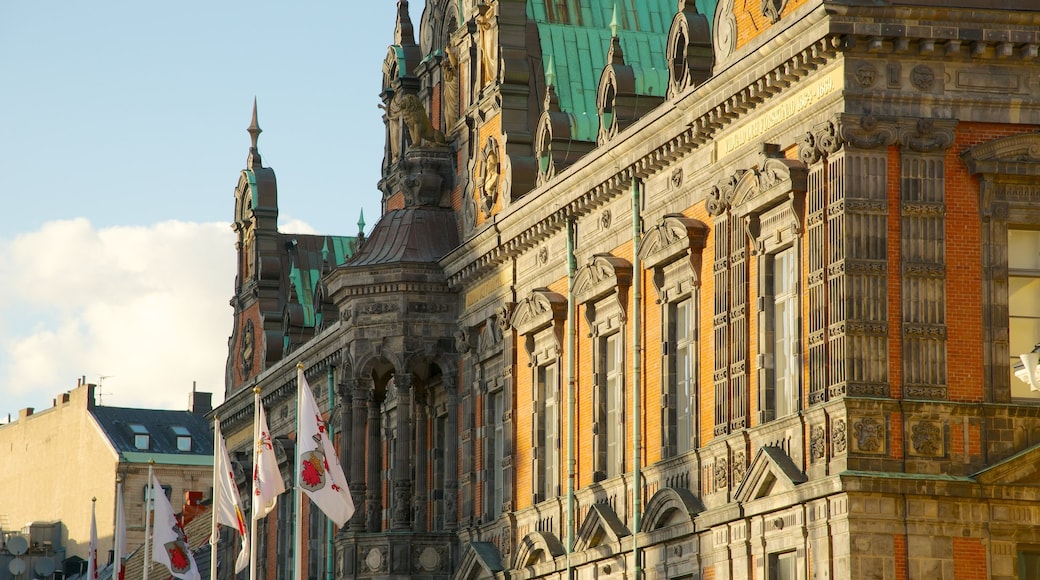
320, 475
228, 510
169, 544
267, 480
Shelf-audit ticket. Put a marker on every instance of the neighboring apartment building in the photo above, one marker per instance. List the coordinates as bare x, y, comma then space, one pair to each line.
806, 257
56, 460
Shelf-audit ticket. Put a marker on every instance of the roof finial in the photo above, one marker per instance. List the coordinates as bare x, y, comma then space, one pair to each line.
614, 22
550, 71
254, 134
404, 34
361, 222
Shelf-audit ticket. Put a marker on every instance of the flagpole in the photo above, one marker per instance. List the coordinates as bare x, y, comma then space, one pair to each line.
256, 457
214, 534
148, 521
119, 537
297, 499
92, 570
328, 521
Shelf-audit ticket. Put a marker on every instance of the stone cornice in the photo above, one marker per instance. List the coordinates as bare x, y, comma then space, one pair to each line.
656, 140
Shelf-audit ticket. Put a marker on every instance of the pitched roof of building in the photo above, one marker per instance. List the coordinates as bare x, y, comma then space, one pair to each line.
164, 429
413, 234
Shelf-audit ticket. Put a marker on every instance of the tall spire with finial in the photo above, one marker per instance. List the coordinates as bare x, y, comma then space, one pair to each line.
614, 54
253, 161
361, 223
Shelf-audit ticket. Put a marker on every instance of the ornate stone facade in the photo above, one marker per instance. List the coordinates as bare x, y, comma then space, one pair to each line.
747, 319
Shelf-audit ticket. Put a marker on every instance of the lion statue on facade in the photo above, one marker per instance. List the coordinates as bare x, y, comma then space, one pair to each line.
409, 109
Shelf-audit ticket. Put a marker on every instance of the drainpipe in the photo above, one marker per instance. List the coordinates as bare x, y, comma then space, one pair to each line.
332, 437
637, 364
572, 342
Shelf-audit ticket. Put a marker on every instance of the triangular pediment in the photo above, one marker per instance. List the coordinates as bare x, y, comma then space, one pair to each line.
600, 526
1023, 468
771, 471
480, 561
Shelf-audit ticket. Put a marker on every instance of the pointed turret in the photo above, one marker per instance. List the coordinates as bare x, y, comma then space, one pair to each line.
404, 33
253, 161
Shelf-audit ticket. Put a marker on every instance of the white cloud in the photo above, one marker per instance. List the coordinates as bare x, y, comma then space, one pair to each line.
145, 306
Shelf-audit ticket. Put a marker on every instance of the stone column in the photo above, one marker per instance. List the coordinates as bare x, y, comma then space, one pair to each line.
422, 455
401, 518
451, 463
360, 391
374, 498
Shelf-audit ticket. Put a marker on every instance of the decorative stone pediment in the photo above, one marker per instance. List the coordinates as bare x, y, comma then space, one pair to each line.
603, 274
758, 190
1022, 468
771, 471
670, 507
1014, 155
479, 560
539, 310
675, 236
537, 547
600, 526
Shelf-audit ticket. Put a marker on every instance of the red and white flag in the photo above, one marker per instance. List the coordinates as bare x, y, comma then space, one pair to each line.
92, 568
320, 475
228, 509
169, 544
119, 545
267, 480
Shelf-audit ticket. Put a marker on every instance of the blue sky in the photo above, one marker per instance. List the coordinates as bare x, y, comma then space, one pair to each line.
122, 132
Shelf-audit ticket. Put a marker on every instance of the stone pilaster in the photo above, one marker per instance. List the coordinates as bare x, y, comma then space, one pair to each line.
401, 479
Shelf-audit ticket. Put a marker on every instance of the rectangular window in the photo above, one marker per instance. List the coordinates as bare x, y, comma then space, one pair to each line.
548, 385
785, 332
498, 455
183, 437
1029, 565
142, 440
440, 437
316, 528
783, 566
613, 370
1023, 302
685, 423
284, 538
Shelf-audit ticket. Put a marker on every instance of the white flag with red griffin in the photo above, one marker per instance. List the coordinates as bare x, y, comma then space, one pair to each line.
169, 544
92, 568
320, 475
228, 505
267, 480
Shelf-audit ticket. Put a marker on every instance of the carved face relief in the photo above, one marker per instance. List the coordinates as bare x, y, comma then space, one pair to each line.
922, 77
865, 75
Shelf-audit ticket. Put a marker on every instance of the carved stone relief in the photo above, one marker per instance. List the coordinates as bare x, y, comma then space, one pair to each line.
839, 437
490, 173
771, 9
818, 443
926, 438
869, 434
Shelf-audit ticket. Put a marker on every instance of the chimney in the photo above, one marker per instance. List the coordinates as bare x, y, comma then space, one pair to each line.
192, 506
200, 403
25, 413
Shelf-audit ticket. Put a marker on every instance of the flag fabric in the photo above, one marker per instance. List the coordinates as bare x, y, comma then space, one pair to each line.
320, 475
119, 544
267, 480
228, 509
169, 544
92, 567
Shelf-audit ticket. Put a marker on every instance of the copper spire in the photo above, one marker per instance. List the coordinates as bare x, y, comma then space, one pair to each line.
254, 134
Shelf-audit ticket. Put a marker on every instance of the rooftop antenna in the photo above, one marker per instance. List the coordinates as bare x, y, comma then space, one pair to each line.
100, 381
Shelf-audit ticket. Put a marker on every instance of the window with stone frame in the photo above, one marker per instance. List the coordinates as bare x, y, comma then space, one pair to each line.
539, 319
682, 328
781, 347
1023, 304
783, 566
612, 393
496, 431
1029, 564
601, 287
1008, 172
317, 526
672, 252
547, 381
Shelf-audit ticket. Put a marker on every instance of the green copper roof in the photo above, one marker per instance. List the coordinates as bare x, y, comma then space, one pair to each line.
578, 43
305, 277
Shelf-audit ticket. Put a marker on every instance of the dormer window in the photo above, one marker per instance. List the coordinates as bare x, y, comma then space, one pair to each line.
183, 438
142, 439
